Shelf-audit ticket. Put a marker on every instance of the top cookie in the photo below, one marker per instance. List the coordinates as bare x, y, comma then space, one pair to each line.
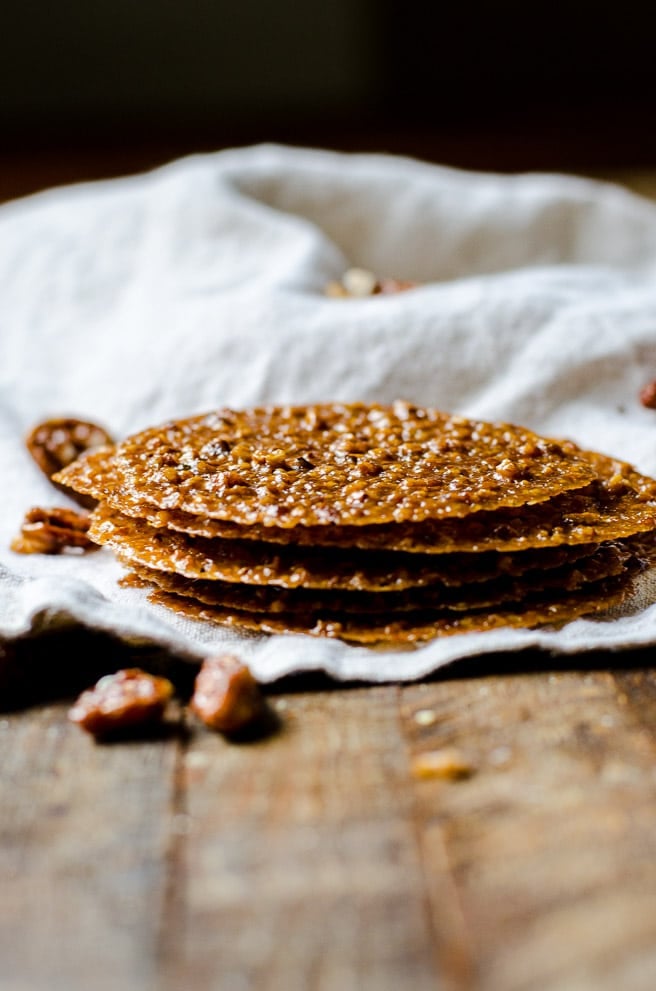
343, 465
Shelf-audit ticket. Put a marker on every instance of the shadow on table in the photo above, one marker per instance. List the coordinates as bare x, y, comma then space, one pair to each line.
58, 666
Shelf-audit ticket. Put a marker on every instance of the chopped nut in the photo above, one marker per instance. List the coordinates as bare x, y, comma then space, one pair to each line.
390, 286
226, 696
359, 282
506, 469
53, 531
648, 395
230, 480
448, 763
122, 701
55, 444
335, 290
617, 483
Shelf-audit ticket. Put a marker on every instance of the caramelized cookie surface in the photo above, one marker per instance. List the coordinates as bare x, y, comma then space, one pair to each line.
606, 562
373, 524
411, 627
619, 503
340, 465
288, 566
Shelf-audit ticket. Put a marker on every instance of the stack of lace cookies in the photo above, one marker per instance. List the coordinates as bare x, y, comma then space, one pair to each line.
375, 524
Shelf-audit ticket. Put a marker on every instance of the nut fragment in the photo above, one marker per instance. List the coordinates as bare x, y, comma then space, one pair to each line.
390, 286
122, 701
53, 531
648, 395
448, 763
358, 283
56, 443
226, 696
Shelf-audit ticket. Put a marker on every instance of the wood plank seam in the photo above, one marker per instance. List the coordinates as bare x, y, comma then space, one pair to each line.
454, 957
170, 932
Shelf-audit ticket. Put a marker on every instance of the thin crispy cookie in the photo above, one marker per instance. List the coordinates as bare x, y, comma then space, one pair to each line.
411, 627
620, 503
287, 566
607, 562
341, 465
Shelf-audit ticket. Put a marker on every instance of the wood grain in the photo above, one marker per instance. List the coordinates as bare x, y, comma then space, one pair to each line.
313, 859
84, 838
287, 863
552, 841
302, 869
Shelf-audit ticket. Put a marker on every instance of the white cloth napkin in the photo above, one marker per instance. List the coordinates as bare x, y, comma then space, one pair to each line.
132, 301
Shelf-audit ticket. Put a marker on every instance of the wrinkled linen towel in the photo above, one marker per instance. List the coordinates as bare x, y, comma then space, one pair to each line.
136, 300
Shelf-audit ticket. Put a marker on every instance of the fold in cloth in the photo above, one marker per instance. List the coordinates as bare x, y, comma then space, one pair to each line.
200, 285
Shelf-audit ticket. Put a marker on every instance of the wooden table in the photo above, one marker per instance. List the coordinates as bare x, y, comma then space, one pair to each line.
316, 859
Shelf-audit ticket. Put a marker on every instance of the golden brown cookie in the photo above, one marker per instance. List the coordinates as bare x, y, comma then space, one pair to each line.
374, 524
412, 627
288, 566
607, 561
341, 465
621, 502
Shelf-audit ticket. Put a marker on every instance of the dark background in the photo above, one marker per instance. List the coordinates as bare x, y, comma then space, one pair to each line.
101, 87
